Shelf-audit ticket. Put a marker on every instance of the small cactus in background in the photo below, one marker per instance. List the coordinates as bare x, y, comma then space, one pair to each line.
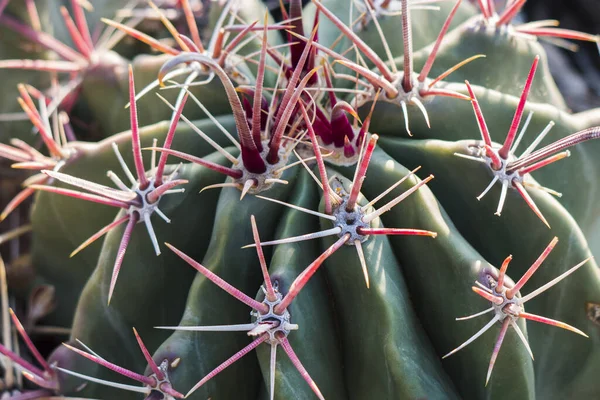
303, 130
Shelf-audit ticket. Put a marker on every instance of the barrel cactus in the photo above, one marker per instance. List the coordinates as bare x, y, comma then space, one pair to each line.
213, 188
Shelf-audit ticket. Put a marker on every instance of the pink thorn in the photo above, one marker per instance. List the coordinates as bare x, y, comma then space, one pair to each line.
16, 201
319, 159
229, 361
142, 37
99, 234
491, 7
51, 383
296, 49
191, 23
361, 45
511, 292
234, 173
188, 42
548, 321
331, 93
80, 195
372, 78
395, 231
502, 274
454, 68
33, 153
36, 93
34, 16
41, 65
250, 302
509, 12
133, 219
438, 42
304, 277
168, 389
168, 141
46, 136
285, 343
546, 151
13, 154
148, 357
218, 53
313, 51
82, 23
251, 157
517, 185
155, 195
235, 41
365, 126
291, 86
258, 92
560, 33
543, 163
135, 134
497, 346
322, 48
119, 370
496, 161
263, 263
29, 343
76, 37
483, 8
483, 129
277, 137
24, 91
24, 364
33, 165
42, 38
361, 173
505, 150
487, 296
444, 93
241, 28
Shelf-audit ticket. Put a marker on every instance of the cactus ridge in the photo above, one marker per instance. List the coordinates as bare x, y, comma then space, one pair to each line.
351, 222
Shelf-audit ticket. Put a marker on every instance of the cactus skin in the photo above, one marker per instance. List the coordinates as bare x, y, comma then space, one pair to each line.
147, 280
382, 341
452, 126
497, 246
61, 214
313, 312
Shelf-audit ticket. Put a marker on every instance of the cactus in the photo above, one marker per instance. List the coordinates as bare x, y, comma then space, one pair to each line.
296, 187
